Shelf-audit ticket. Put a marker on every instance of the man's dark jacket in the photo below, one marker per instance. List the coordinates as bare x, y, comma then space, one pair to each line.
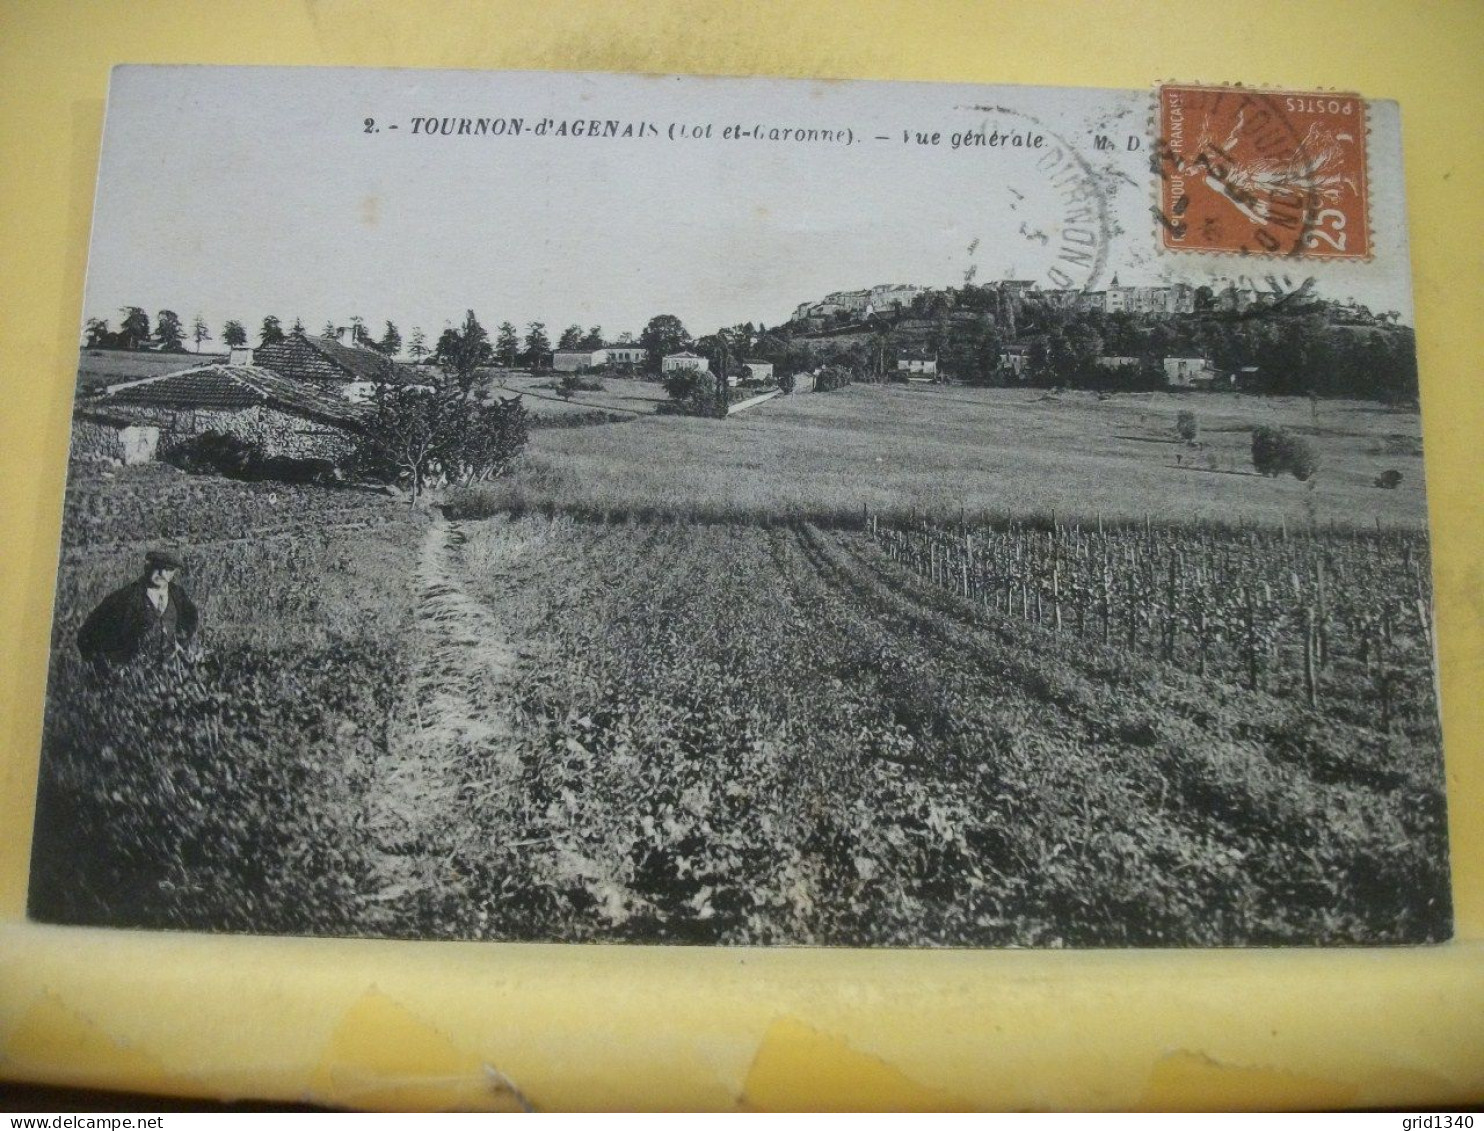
125, 624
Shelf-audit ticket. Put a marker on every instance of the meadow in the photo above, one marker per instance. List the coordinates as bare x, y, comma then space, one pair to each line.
881, 666
98, 367
622, 396
943, 450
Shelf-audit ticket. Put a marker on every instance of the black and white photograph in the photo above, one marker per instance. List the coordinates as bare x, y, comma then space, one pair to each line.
584, 508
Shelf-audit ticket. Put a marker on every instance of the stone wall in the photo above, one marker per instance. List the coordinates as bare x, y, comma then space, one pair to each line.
103, 440
275, 433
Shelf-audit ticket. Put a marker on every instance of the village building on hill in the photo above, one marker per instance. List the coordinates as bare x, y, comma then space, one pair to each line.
133, 421
351, 370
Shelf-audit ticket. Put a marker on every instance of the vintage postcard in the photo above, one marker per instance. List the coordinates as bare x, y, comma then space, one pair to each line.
584, 508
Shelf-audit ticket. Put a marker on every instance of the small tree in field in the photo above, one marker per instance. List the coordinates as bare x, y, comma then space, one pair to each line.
1275, 451
696, 392
402, 439
1187, 426
1301, 459
433, 438
234, 334
786, 383
199, 332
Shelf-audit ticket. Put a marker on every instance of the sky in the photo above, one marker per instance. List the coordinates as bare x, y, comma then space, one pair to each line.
241, 192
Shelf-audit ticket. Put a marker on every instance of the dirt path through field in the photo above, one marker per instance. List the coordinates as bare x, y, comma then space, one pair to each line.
462, 667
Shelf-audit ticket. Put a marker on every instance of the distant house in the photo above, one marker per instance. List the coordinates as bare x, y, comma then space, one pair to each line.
1015, 361
574, 361
621, 355
1189, 372
759, 370
917, 362
351, 370
279, 416
684, 360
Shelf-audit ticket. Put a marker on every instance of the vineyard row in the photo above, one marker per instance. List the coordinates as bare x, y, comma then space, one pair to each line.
1345, 620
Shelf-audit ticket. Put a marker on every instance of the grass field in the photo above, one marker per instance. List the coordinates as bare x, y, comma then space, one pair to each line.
97, 368
624, 396
998, 451
663, 685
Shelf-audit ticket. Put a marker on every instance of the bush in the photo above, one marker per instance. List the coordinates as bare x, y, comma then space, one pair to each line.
832, 377
695, 392
1275, 451
1390, 479
786, 383
1187, 426
214, 453
1302, 459
572, 383
217, 453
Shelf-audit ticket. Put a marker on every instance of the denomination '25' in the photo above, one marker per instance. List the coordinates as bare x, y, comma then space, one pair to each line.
1335, 239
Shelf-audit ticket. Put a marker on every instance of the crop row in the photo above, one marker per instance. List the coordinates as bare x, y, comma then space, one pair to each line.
1341, 621
778, 735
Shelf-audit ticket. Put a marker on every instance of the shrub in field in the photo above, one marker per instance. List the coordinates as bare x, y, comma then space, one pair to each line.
832, 377
436, 438
1187, 426
786, 383
1275, 451
1267, 450
1389, 480
573, 383
695, 392
1302, 460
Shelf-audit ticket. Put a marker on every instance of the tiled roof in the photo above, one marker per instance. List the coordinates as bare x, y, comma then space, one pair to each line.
365, 364
231, 387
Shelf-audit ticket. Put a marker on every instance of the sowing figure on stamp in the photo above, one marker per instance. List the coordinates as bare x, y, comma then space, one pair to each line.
150, 616
1312, 170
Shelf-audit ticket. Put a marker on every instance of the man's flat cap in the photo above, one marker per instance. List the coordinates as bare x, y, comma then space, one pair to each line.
163, 559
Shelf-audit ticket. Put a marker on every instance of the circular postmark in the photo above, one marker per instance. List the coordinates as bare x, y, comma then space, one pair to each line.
1261, 172
1059, 214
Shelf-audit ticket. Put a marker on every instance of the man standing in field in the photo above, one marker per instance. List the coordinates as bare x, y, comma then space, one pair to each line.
151, 615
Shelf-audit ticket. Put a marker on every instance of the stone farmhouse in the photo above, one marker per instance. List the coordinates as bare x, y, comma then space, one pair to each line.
353, 371
129, 422
574, 361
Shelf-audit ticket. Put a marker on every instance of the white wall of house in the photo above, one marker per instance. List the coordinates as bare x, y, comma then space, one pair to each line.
684, 361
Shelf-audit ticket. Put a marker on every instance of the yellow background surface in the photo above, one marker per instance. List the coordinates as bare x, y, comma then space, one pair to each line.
464, 1025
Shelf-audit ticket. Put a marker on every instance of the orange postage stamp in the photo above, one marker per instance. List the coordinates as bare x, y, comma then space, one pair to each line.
1262, 172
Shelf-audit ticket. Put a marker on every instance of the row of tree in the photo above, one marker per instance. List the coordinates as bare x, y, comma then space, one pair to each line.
664, 334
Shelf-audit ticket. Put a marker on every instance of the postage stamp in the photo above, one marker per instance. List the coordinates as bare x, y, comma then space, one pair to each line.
1262, 172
